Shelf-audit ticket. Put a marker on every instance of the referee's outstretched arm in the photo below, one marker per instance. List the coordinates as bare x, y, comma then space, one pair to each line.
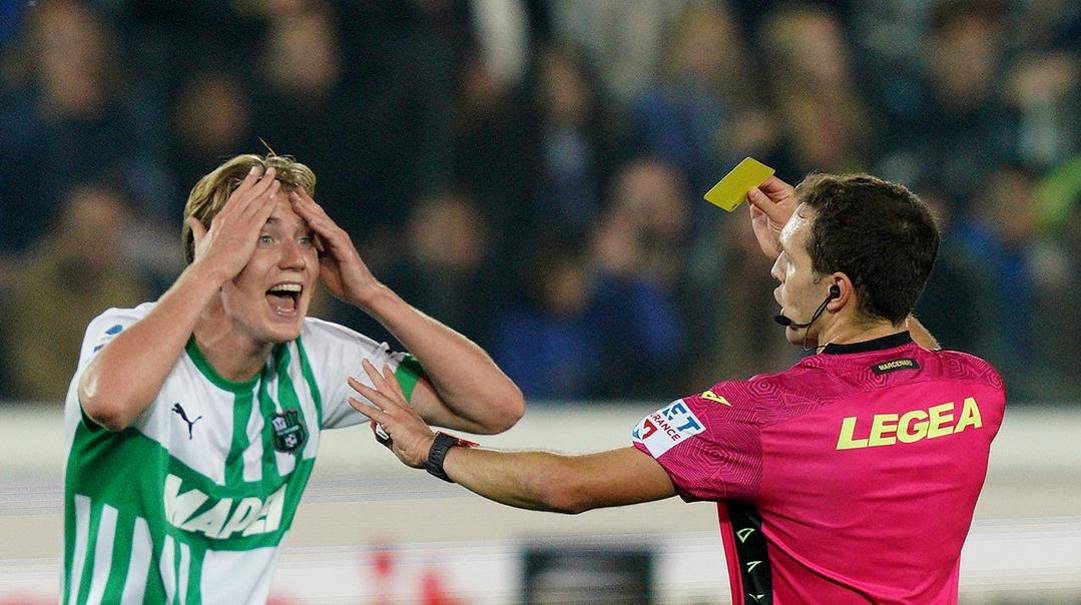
532, 480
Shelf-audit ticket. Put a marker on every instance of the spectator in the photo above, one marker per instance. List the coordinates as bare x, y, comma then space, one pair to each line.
626, 39
303, 106
446, 265
639, 288
1000, 234
494, 152
68, 278
547, 344
810, 79
580, 141
531, 108
69, 110
1044, 91
962, 131
690, 114
211, 119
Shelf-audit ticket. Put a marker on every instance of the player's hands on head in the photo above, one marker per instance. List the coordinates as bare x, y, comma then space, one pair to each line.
772, 203
227, 246
410, 437
340, 266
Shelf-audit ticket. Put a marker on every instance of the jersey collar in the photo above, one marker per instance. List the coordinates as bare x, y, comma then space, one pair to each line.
875, 344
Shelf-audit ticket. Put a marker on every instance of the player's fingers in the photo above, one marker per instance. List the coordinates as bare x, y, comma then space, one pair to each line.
266, 181
198, 231
243, 195
309, 203
240, 195
305, 211
316, 217
260, 209
250, 179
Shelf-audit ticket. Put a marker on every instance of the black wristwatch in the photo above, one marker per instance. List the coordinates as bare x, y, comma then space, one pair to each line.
442, 444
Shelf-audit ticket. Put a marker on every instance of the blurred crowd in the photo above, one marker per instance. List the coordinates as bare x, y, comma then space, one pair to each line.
530, 171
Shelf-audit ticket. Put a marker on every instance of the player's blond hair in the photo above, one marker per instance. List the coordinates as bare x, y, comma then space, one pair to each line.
209, 195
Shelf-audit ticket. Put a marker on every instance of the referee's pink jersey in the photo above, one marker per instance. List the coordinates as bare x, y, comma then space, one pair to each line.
849, 478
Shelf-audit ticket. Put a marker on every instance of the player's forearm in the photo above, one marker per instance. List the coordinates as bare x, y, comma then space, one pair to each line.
469, 383
126, 375
530, 480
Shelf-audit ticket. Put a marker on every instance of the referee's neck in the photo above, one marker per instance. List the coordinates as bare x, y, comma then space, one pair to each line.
850, 332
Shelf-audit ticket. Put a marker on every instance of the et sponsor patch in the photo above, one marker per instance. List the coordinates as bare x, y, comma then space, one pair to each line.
663, 429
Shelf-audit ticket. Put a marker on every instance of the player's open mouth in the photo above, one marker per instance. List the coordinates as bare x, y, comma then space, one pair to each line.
284, 298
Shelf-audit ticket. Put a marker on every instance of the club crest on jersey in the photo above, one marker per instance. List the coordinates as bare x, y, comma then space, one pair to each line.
663, 429
289, 431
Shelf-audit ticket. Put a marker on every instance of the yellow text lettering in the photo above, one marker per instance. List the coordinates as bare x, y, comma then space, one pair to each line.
881, 426
845, 441
970, 416
941, 420
912, 427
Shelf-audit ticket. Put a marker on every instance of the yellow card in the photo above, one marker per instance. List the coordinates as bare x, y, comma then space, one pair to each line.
730, 192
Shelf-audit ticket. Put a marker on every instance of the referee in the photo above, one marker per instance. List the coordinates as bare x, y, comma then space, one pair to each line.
850, 477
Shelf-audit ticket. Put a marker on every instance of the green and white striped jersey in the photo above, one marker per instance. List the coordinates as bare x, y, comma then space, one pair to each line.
190, 504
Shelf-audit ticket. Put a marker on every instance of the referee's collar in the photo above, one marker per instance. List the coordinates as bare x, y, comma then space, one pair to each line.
875, 344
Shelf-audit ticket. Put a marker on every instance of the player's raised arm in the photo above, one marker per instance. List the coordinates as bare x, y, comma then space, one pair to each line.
467, 391
532, 480
124, 377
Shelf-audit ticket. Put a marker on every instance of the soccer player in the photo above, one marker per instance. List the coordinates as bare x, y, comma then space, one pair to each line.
849, 478
193, 422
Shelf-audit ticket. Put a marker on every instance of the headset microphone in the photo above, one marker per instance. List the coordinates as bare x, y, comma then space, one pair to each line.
787, 322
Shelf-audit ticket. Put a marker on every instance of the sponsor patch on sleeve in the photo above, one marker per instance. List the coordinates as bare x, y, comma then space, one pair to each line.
106, 336
663, 429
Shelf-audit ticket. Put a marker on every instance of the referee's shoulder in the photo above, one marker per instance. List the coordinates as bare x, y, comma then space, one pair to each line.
965, 364
764, 386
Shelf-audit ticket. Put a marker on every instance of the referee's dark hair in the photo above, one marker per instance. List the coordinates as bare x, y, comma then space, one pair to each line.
878, 233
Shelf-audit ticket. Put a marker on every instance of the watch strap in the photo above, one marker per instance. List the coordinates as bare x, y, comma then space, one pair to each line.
438, 454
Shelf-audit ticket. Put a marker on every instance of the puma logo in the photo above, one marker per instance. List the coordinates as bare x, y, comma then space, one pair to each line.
184, 416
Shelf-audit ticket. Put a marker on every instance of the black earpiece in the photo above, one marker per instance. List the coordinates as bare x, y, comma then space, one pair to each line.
835, 292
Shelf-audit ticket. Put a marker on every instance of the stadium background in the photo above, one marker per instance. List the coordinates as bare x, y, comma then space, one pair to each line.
530, 172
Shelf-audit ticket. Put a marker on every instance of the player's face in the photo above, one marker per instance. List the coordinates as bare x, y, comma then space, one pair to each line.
798, 292
269, 298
